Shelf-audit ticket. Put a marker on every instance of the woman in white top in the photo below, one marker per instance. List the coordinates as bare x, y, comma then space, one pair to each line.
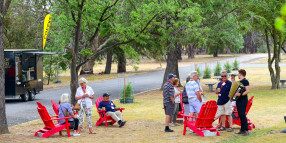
177, 93
84, 95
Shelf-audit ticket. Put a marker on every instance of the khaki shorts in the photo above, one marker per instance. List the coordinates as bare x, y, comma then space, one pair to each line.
225, 109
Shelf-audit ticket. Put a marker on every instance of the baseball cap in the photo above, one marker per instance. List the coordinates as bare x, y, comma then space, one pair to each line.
171, 76
105, 94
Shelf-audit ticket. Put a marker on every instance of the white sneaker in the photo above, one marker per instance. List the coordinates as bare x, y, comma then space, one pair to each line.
76, 134
177, 124
191, 131
172, 125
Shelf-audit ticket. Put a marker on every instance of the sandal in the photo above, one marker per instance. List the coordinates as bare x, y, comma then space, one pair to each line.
218, 126
93, 133
229, 130
221, 129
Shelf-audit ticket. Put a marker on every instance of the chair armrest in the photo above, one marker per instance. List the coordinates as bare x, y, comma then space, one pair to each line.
61, 118
188, 116
121, 109
56, 116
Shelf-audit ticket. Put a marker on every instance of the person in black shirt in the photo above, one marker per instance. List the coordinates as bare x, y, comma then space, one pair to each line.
241, 103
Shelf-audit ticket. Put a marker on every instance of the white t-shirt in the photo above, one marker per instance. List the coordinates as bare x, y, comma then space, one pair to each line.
87, 100
177, 99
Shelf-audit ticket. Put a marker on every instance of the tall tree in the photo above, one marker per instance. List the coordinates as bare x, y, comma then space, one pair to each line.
262, 15
4, 5
181, 21
80, 22
223, 26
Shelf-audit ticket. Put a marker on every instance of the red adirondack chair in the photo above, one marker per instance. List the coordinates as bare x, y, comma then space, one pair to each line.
55, 107
180, 113
102, 116
236, 119
50, 128
203, 124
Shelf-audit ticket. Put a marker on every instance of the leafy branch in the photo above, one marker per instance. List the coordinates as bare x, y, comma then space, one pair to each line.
115, 45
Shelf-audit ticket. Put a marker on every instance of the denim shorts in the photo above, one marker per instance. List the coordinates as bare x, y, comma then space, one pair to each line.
195, 105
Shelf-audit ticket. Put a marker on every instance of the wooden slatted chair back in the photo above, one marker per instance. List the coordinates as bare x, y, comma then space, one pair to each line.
98, 100
249, 104
55, 107
45, 116
206, 115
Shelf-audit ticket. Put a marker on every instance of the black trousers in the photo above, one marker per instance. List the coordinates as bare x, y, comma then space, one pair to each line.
74, 124
241, 108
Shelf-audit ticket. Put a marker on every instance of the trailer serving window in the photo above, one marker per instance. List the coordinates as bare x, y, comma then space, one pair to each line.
29, 67
29, 64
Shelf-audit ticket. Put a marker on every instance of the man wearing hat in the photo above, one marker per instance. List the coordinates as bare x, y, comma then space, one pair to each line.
111, 109
168, 100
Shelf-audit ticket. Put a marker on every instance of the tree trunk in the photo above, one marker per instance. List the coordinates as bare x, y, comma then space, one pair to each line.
215, 54
3, 119
191, 51
172, 64
179, 52
121, 67
74, 70
276, 41
250, 43
88, 67
275, 77
108, 63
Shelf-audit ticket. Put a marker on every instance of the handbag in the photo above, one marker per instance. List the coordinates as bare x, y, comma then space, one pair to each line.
77, 107
185, 98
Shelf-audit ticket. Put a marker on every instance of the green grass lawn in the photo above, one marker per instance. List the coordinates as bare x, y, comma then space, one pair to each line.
146, 120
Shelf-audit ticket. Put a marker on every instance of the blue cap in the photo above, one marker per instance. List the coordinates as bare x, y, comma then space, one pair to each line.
171, 76
105, 94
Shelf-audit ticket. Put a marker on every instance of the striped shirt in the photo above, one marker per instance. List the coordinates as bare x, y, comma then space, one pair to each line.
192, 87
168, 92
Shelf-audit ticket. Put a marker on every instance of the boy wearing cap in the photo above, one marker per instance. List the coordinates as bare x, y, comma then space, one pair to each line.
168, 100
111, 109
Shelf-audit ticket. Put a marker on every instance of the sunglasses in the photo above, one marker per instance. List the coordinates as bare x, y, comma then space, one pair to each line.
223, 76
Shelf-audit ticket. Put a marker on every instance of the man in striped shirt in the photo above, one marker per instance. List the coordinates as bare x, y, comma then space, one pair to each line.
168, 100
194, 95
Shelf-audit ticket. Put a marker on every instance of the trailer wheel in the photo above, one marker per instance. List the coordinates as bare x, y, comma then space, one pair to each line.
25, 96
32, 95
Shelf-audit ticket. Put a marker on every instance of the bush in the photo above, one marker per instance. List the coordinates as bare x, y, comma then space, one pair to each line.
199, 71
217, 70
227, 67
235, 65
128, 92
207, 73
262, 49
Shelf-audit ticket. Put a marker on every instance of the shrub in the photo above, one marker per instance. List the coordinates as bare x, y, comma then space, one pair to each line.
207, 72
227, 67
235, 65
217, 70
199, 71
262, 49
128, 92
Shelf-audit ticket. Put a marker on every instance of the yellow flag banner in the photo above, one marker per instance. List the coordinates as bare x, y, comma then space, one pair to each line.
47, 24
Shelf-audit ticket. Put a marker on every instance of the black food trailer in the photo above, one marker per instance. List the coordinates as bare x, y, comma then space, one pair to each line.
23, 73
